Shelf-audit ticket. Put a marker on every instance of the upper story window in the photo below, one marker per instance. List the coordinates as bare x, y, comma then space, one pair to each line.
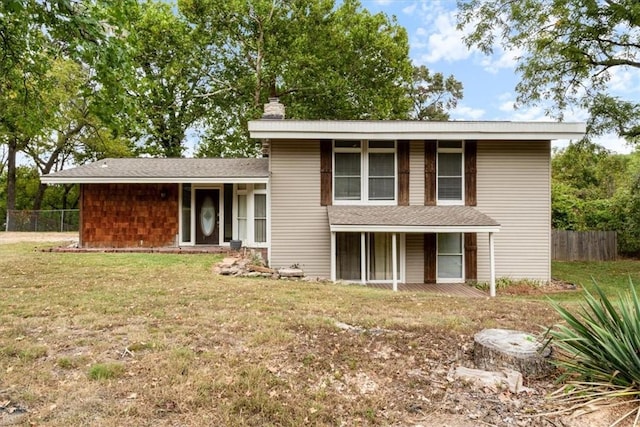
450, 169
365, 171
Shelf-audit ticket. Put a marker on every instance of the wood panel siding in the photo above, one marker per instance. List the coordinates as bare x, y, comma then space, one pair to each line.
430, 172
299, 224
404, 168
416, 177
513, 187
414, 259
430, 257
470, 153
129, 215
326, 172
471, 257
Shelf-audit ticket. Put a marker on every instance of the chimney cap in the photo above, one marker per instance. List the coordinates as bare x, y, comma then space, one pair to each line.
273, 110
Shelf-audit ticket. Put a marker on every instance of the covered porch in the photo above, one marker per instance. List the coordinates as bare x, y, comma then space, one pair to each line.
368, 244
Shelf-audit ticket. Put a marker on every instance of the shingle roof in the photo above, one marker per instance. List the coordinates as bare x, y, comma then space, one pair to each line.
409, 217
162, 170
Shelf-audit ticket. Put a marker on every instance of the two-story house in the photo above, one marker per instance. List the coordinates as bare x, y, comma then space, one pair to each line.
363, 201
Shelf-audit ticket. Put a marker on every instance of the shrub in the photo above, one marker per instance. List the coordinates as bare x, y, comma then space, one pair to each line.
600, 348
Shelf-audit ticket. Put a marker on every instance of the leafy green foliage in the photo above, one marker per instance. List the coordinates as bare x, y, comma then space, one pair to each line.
432, 94
600, 346
569, 51
593, 189
324, 61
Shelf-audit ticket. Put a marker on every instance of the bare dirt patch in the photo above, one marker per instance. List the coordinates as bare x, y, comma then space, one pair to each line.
7, 237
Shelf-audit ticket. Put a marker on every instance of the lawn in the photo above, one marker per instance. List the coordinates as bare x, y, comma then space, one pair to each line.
157, 339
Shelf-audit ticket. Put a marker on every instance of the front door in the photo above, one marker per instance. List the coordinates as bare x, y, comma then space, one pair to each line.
207, 216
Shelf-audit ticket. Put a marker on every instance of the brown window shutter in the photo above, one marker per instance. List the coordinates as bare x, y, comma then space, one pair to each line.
403, 173
326, 172
430, 257
470, 155
471, 256
430, 154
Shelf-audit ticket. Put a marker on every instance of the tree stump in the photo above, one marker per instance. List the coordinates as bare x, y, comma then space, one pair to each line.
502, 348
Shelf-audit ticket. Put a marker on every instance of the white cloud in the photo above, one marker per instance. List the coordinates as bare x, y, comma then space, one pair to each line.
463, 112
445, 43
503, 59
410, 10
383, 2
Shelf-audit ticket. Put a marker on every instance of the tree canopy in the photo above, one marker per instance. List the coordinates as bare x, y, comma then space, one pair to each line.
569, 52
321, 59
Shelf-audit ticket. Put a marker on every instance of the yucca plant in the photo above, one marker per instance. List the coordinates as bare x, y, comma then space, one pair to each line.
600, 350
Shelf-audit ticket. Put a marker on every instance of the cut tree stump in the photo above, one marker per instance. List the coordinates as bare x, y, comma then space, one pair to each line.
502, 348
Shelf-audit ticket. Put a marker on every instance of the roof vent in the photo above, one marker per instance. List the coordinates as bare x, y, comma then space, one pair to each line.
273, 110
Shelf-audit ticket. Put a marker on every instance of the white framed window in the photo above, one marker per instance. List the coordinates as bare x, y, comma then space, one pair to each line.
260, 213
250, 213
450, 258
241, 216
450, 170
376, 250
364, 172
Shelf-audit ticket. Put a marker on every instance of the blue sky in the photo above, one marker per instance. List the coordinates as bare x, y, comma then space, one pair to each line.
489, 81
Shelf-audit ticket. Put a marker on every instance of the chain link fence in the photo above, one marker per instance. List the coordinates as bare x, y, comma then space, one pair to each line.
43, 220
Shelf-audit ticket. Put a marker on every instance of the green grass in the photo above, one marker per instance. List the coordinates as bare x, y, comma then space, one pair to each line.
175, 345
611, 276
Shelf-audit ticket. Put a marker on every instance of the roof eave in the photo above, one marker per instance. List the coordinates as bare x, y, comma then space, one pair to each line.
152, 180
338, 228
392, 129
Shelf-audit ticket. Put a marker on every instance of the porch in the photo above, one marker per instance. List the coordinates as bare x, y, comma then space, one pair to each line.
450, 289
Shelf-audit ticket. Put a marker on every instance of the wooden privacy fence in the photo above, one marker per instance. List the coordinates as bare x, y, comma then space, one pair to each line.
584, 245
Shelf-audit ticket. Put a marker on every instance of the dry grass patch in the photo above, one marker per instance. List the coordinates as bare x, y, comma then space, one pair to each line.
140, 339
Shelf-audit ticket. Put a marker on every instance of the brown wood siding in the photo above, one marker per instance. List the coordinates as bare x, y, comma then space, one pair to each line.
430, 155
470, 172
471, 257
129, 215
430, 257
326, 172
403, 173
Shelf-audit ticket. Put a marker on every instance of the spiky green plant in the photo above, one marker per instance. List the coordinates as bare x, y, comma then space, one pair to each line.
600, 349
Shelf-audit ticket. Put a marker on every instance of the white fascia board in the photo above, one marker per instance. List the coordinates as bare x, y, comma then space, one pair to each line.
397, 129
414, 229
130, 180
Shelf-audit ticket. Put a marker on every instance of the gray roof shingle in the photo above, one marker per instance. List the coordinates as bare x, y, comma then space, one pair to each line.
163, 169
409, 216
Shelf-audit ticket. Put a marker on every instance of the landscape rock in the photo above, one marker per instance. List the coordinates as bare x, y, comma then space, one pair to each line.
494, 380
291, 272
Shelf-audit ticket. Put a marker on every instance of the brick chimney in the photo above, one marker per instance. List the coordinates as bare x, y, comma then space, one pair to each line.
273, 110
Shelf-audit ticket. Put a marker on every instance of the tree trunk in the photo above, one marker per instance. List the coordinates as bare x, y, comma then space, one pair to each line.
11, 183
501, 348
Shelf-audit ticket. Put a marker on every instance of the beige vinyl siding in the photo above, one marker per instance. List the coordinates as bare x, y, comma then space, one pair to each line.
414, 258
299, 225
514, 189
416, 173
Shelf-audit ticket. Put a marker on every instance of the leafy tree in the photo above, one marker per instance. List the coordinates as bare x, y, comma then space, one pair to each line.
570, 49
32, 34
432, 94
168, 78
70, 132
321, 59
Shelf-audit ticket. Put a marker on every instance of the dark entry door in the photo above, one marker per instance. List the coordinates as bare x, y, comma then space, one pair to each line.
207, 216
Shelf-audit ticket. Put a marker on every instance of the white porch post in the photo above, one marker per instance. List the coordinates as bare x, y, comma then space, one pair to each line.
394, 261
363, 258
492, 267
333, 256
